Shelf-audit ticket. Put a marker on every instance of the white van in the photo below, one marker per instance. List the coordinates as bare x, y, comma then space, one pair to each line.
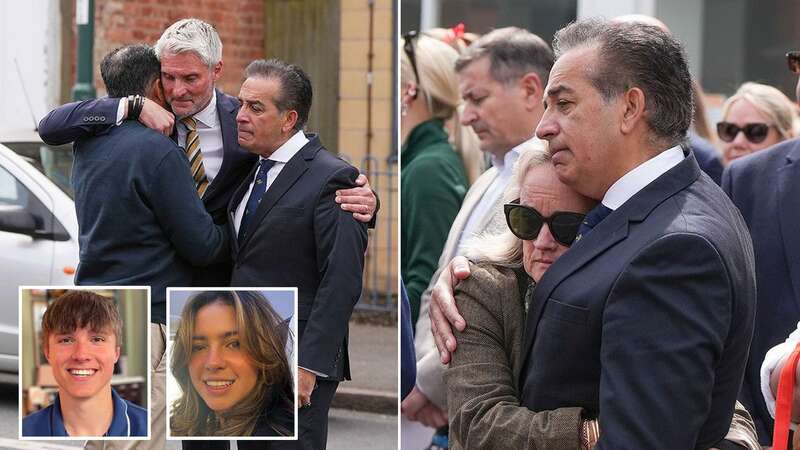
38, 226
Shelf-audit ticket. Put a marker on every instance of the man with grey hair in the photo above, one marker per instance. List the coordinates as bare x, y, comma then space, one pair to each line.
501, 78
190, 54
646, 321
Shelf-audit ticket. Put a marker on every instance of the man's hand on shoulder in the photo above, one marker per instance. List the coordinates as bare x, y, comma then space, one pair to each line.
443, 311
155, 117
359, 200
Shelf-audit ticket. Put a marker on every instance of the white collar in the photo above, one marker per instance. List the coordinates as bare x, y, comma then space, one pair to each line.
289, 148
642, 175
511, 156
208, 115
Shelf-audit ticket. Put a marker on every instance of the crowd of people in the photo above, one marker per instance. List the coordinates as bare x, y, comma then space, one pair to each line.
617, 276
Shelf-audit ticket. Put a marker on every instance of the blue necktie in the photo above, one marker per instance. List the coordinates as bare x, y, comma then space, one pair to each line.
259, 187
595, 216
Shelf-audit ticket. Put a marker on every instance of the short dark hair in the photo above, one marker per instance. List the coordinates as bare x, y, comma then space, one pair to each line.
637, 55
512, 53
81, 309
129, 70
295, 93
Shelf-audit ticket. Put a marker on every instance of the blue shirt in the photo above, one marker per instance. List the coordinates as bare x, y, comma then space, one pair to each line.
128, 420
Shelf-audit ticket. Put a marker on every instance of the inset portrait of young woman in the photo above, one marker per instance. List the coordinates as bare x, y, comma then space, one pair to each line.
229, 358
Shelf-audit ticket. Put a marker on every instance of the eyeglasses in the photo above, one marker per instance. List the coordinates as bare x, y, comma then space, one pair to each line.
526, 222
408, 47
754, 132
793, 59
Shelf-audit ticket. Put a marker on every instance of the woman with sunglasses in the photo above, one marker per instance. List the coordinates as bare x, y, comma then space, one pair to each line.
484, 373
756, 117
435, 162
482, 380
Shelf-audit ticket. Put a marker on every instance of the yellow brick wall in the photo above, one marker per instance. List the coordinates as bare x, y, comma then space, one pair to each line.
382, 260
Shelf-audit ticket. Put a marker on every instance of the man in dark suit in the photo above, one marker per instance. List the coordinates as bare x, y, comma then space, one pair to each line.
646, 321
291, 233
765, 186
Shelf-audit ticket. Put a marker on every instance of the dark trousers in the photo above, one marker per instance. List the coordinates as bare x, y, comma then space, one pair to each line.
312, 427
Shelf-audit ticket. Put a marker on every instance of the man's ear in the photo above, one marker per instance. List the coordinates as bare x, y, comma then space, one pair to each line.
116, 354
289, 121
46, 349
532, 88
633, 107
156, 92
216, 71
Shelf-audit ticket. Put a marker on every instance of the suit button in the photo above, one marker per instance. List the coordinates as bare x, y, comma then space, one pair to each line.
85, 119
102, 119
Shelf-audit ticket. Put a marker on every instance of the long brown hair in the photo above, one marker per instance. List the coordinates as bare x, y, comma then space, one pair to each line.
264, 336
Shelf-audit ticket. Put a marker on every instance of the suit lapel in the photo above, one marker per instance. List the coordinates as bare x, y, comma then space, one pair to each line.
788, 190
290, 173
470, 201
614, 229
234, 202
226, 111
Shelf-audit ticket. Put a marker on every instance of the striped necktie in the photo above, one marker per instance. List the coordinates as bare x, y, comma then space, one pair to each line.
195, 156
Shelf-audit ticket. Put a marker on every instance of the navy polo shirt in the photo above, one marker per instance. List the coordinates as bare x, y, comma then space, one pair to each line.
128, 420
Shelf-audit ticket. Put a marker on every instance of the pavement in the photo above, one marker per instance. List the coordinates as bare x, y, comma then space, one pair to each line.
373, 365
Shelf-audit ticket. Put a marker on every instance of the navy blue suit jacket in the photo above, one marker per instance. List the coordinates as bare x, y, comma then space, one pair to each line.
300, 237
74, 120
766, 188
647, 320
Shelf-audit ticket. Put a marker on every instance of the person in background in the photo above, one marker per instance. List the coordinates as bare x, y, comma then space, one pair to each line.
433, 175
756, 117
765, 187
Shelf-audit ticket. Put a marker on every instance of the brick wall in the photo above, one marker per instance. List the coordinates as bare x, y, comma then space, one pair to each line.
240, 24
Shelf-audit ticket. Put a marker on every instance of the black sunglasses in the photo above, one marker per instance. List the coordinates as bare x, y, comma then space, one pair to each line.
793, 59
754, 132
526, 222
408, 47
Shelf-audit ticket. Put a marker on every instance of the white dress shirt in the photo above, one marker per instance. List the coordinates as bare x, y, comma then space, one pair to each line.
505, 168
210, 133
642, 175
281, 156
208, 130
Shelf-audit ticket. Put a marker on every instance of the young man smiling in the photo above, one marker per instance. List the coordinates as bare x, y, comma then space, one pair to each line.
80, 338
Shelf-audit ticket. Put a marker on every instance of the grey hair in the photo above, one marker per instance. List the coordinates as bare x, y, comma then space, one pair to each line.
769, 101
191, 35
637, 55
512, 53
503, 248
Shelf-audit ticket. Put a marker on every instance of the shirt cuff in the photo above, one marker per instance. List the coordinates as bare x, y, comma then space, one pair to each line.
319, 374
121, 111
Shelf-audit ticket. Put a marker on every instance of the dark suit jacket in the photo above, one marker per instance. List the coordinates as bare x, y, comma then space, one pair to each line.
766, 188
300, 237
482, 379
646, 321
74, 120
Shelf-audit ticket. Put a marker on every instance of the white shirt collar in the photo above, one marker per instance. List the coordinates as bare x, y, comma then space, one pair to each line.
511, 157
644, 174
208, 115
289, 148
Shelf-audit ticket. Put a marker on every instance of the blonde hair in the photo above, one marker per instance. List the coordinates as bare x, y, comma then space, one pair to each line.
504, 249
438, 86
773, 104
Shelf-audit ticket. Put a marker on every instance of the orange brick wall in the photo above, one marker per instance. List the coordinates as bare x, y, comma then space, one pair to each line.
240, 24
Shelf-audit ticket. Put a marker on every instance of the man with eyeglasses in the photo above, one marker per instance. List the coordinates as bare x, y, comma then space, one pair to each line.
766, 188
